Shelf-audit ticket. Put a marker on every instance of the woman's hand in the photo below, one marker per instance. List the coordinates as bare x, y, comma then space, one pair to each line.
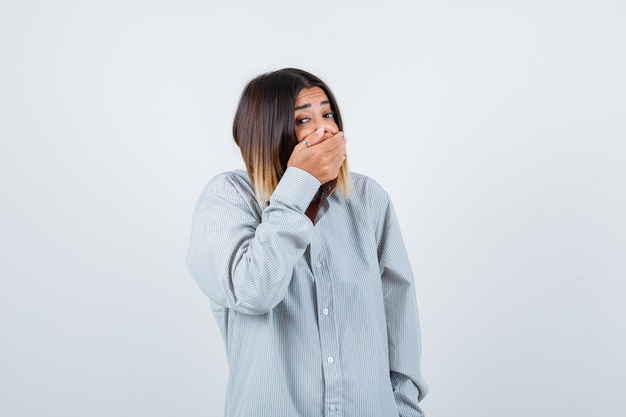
323, 157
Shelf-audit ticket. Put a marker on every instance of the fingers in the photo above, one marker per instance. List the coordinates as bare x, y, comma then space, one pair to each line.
323, 158
315, 137
329, 144
330, 156
332, 142
335, 144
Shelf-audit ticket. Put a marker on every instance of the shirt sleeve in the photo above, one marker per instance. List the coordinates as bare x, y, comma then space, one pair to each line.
242, 257
403, 331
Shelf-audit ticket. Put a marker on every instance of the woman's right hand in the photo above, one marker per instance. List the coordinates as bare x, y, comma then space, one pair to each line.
323, 158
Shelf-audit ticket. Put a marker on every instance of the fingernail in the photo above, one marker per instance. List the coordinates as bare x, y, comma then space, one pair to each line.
320, 130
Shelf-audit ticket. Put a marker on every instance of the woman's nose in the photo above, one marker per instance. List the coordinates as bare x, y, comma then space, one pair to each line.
329, 126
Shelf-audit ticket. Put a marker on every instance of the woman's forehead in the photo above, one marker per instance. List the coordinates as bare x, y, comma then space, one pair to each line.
313, 95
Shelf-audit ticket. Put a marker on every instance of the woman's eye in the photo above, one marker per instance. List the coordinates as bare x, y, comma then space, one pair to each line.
301, 121
330, 115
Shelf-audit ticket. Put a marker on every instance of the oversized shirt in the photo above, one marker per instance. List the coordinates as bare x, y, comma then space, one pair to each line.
318, 319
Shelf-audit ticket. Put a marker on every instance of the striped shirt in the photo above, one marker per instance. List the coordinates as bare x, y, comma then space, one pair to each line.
318, 319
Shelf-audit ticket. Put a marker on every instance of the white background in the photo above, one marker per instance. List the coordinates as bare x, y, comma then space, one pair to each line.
497, 127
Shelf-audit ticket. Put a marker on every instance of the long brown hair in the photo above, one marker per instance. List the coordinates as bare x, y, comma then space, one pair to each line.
264, 128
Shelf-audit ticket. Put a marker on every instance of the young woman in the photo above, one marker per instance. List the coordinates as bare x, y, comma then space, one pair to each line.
305, 267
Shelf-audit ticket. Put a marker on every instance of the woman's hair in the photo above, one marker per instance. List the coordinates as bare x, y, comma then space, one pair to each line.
265, 131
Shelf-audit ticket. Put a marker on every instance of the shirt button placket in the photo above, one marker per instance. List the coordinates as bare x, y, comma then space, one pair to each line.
332, 370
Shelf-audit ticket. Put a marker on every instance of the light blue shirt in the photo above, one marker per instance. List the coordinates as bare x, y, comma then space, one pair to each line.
317, 319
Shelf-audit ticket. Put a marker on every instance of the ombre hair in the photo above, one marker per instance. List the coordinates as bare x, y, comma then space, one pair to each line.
265, 131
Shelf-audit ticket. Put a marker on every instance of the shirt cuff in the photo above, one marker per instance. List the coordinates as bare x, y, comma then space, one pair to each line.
295, 189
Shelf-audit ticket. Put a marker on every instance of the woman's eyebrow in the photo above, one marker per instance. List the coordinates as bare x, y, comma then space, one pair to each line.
306, 106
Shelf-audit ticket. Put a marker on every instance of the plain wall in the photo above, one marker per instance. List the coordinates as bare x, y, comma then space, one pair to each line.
496, 127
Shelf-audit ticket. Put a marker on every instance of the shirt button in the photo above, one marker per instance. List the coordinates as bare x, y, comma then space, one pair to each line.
325, 311
319, 265
332, 408
330, 359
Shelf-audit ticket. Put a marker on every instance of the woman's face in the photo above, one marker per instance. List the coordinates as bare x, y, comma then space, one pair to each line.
312, 111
